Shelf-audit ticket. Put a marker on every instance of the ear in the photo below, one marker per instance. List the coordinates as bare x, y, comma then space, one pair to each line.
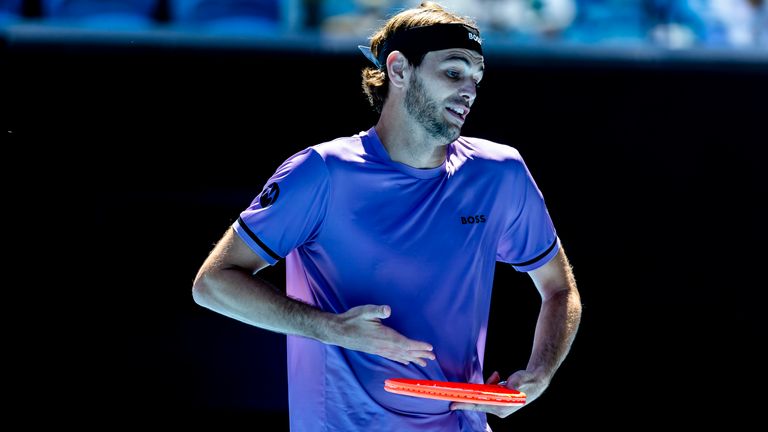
398, 69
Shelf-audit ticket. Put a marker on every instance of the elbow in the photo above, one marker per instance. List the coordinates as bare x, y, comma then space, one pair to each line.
202, 289
575, 298
574, 308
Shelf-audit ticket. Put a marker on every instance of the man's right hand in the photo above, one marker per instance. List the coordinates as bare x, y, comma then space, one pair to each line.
360, 329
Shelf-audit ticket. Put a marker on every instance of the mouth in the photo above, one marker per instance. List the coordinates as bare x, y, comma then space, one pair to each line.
458, 112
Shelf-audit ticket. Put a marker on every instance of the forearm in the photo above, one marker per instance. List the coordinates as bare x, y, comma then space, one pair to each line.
236, 293
227, 283
556, 329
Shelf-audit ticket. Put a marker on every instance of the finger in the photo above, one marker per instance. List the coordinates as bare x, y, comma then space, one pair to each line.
468, 407
373, 311
412, 345
516, 380
409, 358
429, 355
420, 358
494, 378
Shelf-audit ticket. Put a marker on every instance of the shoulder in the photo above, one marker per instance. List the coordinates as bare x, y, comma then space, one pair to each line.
488, 153
321, 156
487, 149
339, 149
303, 166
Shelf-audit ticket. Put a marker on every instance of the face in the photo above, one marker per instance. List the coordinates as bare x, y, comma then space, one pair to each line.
442, 90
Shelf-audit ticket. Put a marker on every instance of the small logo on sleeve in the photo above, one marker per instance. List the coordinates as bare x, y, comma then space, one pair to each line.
476, 219
269, 195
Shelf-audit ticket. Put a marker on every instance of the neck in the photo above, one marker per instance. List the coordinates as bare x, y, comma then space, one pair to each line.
408, 142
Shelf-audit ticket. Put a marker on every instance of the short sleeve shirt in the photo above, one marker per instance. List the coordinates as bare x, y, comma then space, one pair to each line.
357, 228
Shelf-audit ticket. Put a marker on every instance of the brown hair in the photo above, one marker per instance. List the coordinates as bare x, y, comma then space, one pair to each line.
375, 83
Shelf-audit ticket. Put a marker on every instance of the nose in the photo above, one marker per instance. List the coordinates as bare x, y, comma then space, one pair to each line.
468, 91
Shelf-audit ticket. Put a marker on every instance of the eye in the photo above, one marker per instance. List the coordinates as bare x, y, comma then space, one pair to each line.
454, 75
477, 78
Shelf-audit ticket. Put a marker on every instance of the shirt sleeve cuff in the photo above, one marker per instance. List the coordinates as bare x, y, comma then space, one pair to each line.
255, 243
540, 259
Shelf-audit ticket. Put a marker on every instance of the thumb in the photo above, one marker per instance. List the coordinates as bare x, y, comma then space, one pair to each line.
494, 378
516, 380
373, 311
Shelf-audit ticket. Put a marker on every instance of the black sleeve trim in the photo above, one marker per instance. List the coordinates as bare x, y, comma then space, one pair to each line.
542, 255
257, 240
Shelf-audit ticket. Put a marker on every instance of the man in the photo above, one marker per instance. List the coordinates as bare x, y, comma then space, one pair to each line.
391, 238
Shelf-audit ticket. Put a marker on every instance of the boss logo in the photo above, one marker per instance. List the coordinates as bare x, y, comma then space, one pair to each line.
472, 219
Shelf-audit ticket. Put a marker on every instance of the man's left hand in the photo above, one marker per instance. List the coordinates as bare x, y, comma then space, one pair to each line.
522, 380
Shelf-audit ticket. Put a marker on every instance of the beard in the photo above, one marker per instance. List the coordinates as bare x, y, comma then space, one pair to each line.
427, 112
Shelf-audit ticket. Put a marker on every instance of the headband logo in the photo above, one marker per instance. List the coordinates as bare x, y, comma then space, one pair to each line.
475, 38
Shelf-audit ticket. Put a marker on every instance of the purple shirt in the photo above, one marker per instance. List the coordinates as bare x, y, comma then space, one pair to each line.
357, 228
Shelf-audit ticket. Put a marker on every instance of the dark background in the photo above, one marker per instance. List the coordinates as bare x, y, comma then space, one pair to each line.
653, 171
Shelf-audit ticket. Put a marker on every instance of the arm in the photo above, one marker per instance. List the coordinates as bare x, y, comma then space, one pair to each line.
227, 283
556, 328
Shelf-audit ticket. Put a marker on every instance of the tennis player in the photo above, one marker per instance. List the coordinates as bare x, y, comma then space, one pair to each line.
391, 237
